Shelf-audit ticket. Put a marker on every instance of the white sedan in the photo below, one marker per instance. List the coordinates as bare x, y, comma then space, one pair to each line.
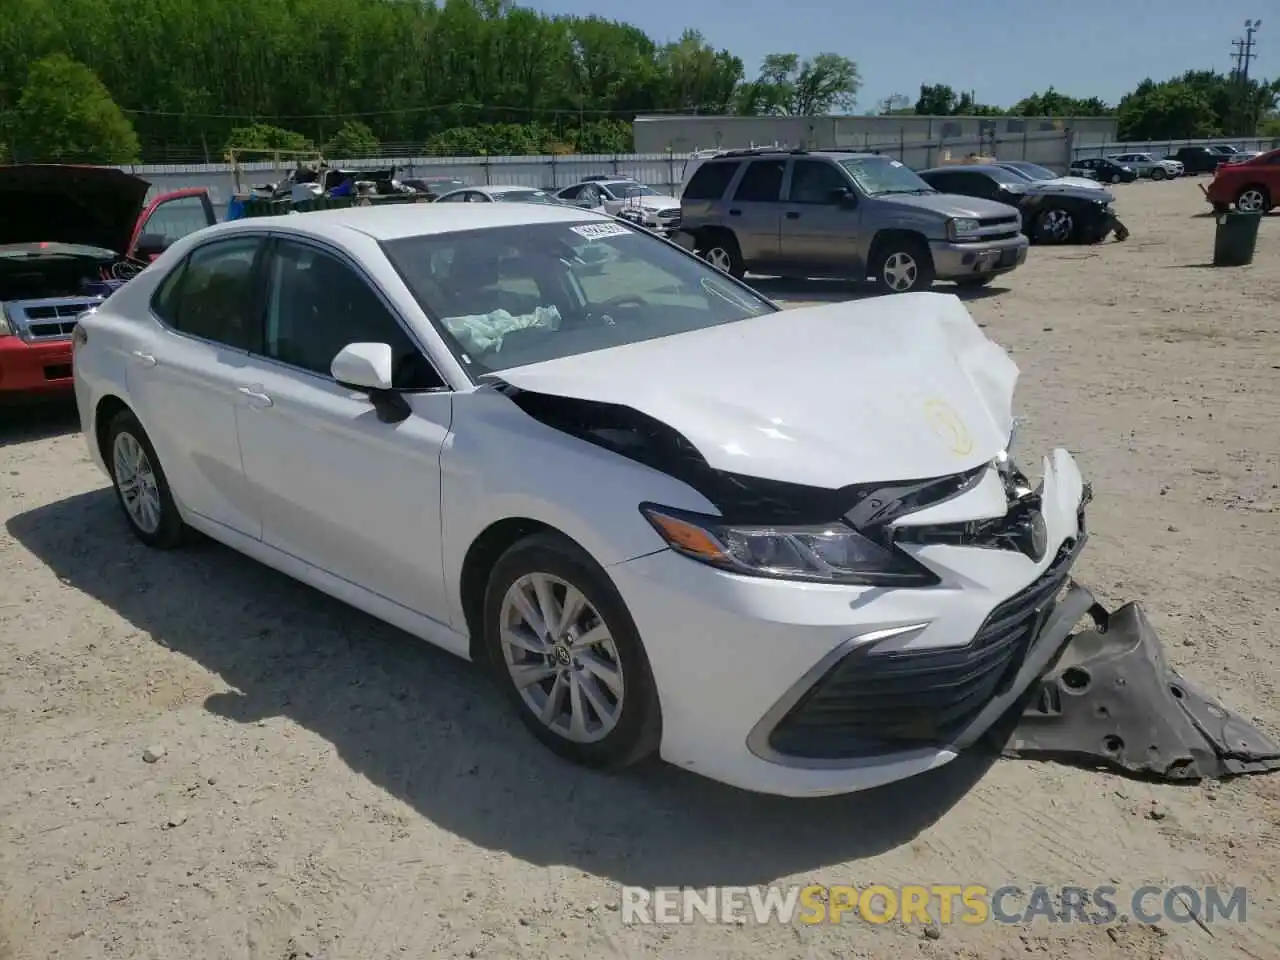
554, 444
497, 193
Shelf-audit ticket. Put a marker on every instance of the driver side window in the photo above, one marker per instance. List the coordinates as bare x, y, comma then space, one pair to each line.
813, 181
317, 305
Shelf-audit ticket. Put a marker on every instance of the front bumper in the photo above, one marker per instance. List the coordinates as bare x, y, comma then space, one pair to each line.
733, 656
955, 261
34, 368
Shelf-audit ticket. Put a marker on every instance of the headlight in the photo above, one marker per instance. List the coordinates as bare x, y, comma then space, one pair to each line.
960, 227
823, 553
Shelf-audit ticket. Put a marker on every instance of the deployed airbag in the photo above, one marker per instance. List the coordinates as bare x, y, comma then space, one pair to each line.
483, 332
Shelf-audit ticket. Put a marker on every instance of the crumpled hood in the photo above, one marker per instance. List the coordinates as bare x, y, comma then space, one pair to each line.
1042, 187
53, 203
1082, 183
902, 387
952, 204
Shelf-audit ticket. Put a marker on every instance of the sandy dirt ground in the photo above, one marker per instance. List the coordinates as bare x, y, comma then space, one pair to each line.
331, 788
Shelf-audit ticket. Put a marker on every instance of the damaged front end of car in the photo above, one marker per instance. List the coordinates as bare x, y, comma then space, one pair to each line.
1030, 679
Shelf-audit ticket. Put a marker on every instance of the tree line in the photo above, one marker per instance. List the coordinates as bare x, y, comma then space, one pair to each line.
153, 80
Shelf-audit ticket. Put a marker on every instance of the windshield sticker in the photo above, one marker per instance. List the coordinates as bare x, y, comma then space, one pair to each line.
895, 163
598, 231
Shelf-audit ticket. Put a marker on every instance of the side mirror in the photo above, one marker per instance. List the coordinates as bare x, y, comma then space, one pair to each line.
363, 366
150, 246
843, 197
367, 367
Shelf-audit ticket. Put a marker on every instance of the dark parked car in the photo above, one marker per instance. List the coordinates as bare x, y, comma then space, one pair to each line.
1197, 159
1050, 213
1103, 169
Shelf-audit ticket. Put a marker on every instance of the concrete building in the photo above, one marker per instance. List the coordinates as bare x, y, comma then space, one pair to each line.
684, 134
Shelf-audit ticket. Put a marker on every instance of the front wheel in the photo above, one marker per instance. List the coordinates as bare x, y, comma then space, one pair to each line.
902, 266
568, 656
1115, 178
974, 283
1055, 225
1159, 173
141, 488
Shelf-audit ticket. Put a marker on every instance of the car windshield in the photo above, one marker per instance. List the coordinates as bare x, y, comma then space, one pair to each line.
1032, 171
632, 190
524, 196
878, 176
510, 296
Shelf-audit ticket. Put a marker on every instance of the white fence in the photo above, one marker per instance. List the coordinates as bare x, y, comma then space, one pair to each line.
662, 171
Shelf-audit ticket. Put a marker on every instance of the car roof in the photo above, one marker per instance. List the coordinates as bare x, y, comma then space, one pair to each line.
507, 188
393, 221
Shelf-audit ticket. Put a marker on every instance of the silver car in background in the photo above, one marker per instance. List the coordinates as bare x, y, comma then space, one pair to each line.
1147, 165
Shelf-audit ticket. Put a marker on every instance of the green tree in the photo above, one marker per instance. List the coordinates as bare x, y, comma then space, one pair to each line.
936, 100
264, 136
352, 139
790, 86
66, 114
1172, 110
1052, 103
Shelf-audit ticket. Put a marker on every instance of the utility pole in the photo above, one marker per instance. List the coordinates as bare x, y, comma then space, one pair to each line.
1244, 50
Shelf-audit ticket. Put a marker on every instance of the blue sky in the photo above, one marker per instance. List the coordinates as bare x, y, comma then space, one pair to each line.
1000, 49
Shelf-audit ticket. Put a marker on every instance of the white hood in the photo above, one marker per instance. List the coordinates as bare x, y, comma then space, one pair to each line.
901, 387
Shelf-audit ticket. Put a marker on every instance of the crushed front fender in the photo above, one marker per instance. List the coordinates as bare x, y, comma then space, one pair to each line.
1112, 701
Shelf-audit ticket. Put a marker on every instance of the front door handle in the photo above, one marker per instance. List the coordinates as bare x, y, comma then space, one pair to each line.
735, 213
793, 215
256, 397
144, 358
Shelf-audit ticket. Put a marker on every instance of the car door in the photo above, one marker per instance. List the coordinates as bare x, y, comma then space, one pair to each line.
184, 373
335, 485
169, 218
755, 210
818, 231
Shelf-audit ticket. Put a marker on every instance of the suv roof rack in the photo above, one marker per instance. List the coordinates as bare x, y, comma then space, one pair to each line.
786, 151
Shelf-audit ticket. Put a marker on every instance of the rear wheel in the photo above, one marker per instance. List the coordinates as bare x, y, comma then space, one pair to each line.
140, 484
902, 265
1115, 178
722, 252
1253, 199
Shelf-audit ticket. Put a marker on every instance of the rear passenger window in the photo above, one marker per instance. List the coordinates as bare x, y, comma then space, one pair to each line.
762, 183
710, 181
214, 296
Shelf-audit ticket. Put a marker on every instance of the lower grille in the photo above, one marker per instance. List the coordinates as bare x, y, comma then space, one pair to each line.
876, 703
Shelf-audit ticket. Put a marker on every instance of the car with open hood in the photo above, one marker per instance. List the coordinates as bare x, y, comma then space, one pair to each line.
1051, 213
69, 237
555, 444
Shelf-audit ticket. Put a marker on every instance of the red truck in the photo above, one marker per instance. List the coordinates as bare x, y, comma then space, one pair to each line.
1251, 186
69, 236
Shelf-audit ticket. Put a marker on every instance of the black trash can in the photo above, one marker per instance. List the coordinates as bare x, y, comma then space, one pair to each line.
1235, 239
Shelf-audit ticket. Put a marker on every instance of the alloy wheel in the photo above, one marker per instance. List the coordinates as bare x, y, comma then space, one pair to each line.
1057, 225
900, 271
1251, 201
561, 657
136, 479
719, 258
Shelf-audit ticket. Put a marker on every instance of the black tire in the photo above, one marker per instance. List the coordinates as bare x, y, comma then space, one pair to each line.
1115, 178
1159, 173
889, 248
638, 731
721, 250
1252, 188
974, 283
1044, 233
171, 532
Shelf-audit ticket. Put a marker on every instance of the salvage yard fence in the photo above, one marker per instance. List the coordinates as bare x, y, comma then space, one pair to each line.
662, 171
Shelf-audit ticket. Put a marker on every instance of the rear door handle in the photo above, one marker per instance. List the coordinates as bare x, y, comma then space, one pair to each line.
145, 358
256, 397
793, 215
735, 213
